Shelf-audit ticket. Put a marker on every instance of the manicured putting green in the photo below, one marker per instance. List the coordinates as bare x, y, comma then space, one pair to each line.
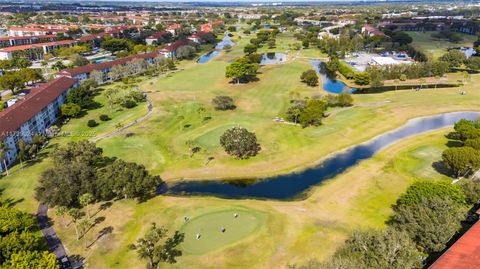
209, 227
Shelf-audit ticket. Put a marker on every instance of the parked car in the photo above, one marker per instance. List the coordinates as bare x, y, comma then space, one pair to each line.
64, 262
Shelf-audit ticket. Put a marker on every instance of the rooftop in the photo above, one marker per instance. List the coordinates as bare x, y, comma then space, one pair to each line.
90, 67
465, 253
15, 116
38, 45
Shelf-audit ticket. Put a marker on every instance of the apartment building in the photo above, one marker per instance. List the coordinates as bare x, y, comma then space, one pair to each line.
33, 115
34, 51
83, 72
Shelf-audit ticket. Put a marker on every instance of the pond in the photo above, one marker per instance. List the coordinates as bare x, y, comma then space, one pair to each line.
329, 84
273, 58
225, 41
214, 53
208, 56
295, 185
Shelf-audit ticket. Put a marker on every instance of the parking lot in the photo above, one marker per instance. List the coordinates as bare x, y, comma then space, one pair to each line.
360, 61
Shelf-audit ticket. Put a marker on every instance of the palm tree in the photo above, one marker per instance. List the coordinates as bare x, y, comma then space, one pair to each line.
396, 81
62, 211
3, 155
75, 214
85, 200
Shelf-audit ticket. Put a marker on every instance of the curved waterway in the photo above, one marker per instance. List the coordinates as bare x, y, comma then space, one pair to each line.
294, 185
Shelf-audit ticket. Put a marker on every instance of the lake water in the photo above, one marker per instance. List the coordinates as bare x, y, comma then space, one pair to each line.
205, 58
225, 41
208, 56
295, 185
330, 85
273, 58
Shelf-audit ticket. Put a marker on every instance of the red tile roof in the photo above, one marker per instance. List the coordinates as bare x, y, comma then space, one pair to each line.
158, 35
90, 67
29, 29
37, 45
26, 37
464, 254
372, 30
175, 45
40, 97
91, 37
174, 27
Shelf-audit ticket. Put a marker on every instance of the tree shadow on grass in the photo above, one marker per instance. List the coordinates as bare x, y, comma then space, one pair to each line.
103, 232
454, 144
440, 167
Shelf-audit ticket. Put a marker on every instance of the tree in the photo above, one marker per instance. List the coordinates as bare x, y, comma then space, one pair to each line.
344, 100
61, 211
471, 189
97, 76
85, 200
3, 155
313, 113
80, 60
80, 96
185, 52
76, 215
473, 63
70, 110
473, 143
114, 44
84, 225
239, 142
310, 77
223, 103
12, 81
23, 151
117, 72
58, 65
12, 220
461, 160
249, 49
454, 58
208, 38
74, 174
390, 249
361, 78
32, 259
271, 43
241, 69
430, 223
429, 190
156, 247
126, 180
16, 241
402, 38
295, 110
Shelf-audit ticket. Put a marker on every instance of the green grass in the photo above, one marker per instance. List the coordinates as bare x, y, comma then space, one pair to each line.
292, 231
209, 225
20, 184
436, 47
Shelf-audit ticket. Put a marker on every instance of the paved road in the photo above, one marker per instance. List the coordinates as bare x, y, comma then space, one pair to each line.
477, 175
53, 242
150, 110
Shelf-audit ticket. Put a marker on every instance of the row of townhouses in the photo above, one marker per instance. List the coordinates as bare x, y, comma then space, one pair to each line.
83, 72
33, 115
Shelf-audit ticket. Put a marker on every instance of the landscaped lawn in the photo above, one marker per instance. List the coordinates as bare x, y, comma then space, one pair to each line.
268, 234
437, 47
283, 232
19, 186
209, 227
